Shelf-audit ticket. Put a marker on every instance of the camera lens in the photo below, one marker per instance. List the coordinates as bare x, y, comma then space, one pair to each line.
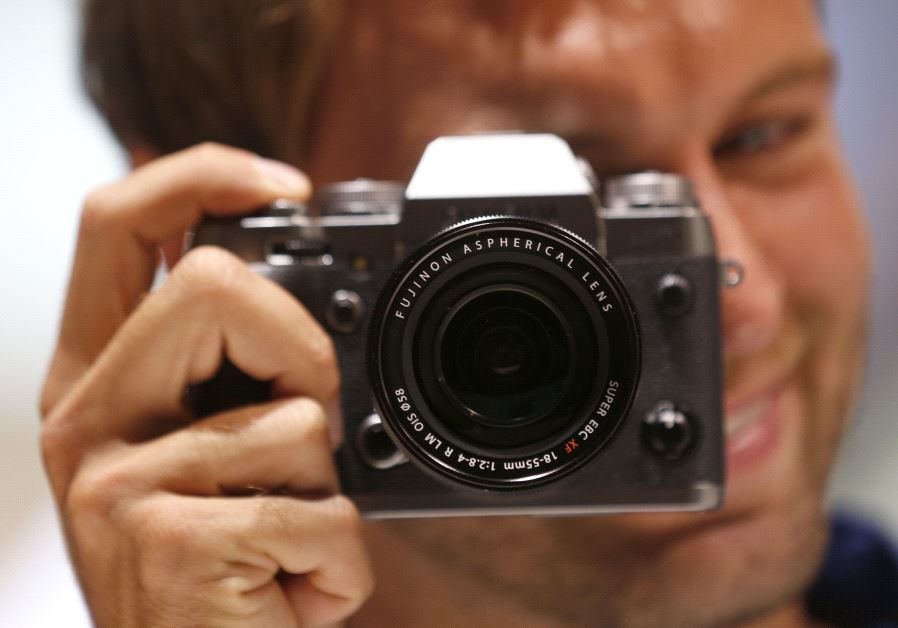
504, 356
503, 353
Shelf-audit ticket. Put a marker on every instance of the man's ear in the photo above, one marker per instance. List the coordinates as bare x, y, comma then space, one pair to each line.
139, 155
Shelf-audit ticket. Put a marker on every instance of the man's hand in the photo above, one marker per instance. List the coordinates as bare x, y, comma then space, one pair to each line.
233, 520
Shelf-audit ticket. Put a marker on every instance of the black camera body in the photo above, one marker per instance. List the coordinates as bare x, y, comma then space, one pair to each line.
508, 344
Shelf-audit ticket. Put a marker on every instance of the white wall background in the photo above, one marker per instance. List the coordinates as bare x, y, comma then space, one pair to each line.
53, 150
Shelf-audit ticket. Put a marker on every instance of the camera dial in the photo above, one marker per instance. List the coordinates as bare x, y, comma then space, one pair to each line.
360, 197
647, 189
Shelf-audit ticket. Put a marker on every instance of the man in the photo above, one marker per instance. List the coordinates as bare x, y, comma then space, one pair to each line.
733, 94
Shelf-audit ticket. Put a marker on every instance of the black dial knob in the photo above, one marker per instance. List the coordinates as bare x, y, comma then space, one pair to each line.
667, 431
344, 311
674, 295
375, 446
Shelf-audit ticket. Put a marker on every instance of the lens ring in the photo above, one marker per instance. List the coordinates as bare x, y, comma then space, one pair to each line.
554, 262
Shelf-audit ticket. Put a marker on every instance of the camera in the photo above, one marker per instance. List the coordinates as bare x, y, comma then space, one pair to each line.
514, 336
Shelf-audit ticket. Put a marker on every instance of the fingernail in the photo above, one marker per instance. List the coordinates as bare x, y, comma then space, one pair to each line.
286, 178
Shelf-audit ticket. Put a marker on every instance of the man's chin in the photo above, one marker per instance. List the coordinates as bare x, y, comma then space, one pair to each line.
723, 567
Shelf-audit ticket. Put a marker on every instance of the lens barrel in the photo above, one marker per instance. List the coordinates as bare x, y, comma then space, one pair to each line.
503, 353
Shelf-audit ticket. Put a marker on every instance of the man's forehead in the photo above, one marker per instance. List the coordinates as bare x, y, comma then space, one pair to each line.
566, 40
609, 23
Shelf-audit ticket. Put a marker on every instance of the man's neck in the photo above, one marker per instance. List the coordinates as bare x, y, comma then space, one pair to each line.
420, 580
412, 585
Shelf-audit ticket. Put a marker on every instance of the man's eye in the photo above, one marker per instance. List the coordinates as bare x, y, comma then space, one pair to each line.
760, 136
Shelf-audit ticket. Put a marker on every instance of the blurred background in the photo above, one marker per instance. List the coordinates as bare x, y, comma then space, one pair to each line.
53, 149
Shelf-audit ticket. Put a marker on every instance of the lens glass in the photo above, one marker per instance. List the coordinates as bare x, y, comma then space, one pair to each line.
504, 357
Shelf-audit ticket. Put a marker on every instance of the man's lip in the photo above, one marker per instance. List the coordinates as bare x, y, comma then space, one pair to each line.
752, 425
771, 387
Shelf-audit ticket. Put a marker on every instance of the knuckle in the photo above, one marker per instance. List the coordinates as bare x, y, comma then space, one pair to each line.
209, 273
233, 168
48, 399
55, 443
61, 440
96, 490
343, 515
308, 421
101, 209
55, 440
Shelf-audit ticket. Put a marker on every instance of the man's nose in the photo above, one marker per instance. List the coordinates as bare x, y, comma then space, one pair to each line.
753, 310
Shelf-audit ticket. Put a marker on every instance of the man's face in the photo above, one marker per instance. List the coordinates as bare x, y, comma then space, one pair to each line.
734, 95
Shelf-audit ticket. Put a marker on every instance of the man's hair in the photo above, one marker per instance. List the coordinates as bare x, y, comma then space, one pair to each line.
169, 74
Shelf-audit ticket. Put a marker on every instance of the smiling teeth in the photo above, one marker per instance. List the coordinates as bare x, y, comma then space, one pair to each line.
737, 422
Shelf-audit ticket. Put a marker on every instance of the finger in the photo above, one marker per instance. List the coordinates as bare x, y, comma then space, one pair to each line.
280, 446
320, 543
313, 547
212, 306
124, 224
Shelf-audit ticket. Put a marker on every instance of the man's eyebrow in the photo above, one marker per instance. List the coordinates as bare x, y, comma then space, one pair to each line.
818, 69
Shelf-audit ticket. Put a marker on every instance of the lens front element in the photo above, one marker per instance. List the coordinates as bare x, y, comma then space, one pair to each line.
505, 356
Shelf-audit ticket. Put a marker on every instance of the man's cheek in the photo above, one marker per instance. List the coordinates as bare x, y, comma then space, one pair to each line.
822, 250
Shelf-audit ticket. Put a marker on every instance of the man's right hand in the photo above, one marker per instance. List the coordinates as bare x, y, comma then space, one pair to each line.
235, 519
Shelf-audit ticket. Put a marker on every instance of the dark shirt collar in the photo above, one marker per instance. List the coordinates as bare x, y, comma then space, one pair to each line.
857, 585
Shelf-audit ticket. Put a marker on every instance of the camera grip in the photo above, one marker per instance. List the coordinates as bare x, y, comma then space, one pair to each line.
229, 388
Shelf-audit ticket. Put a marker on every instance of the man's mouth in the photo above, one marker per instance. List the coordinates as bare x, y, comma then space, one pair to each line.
738, 422
753, 428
